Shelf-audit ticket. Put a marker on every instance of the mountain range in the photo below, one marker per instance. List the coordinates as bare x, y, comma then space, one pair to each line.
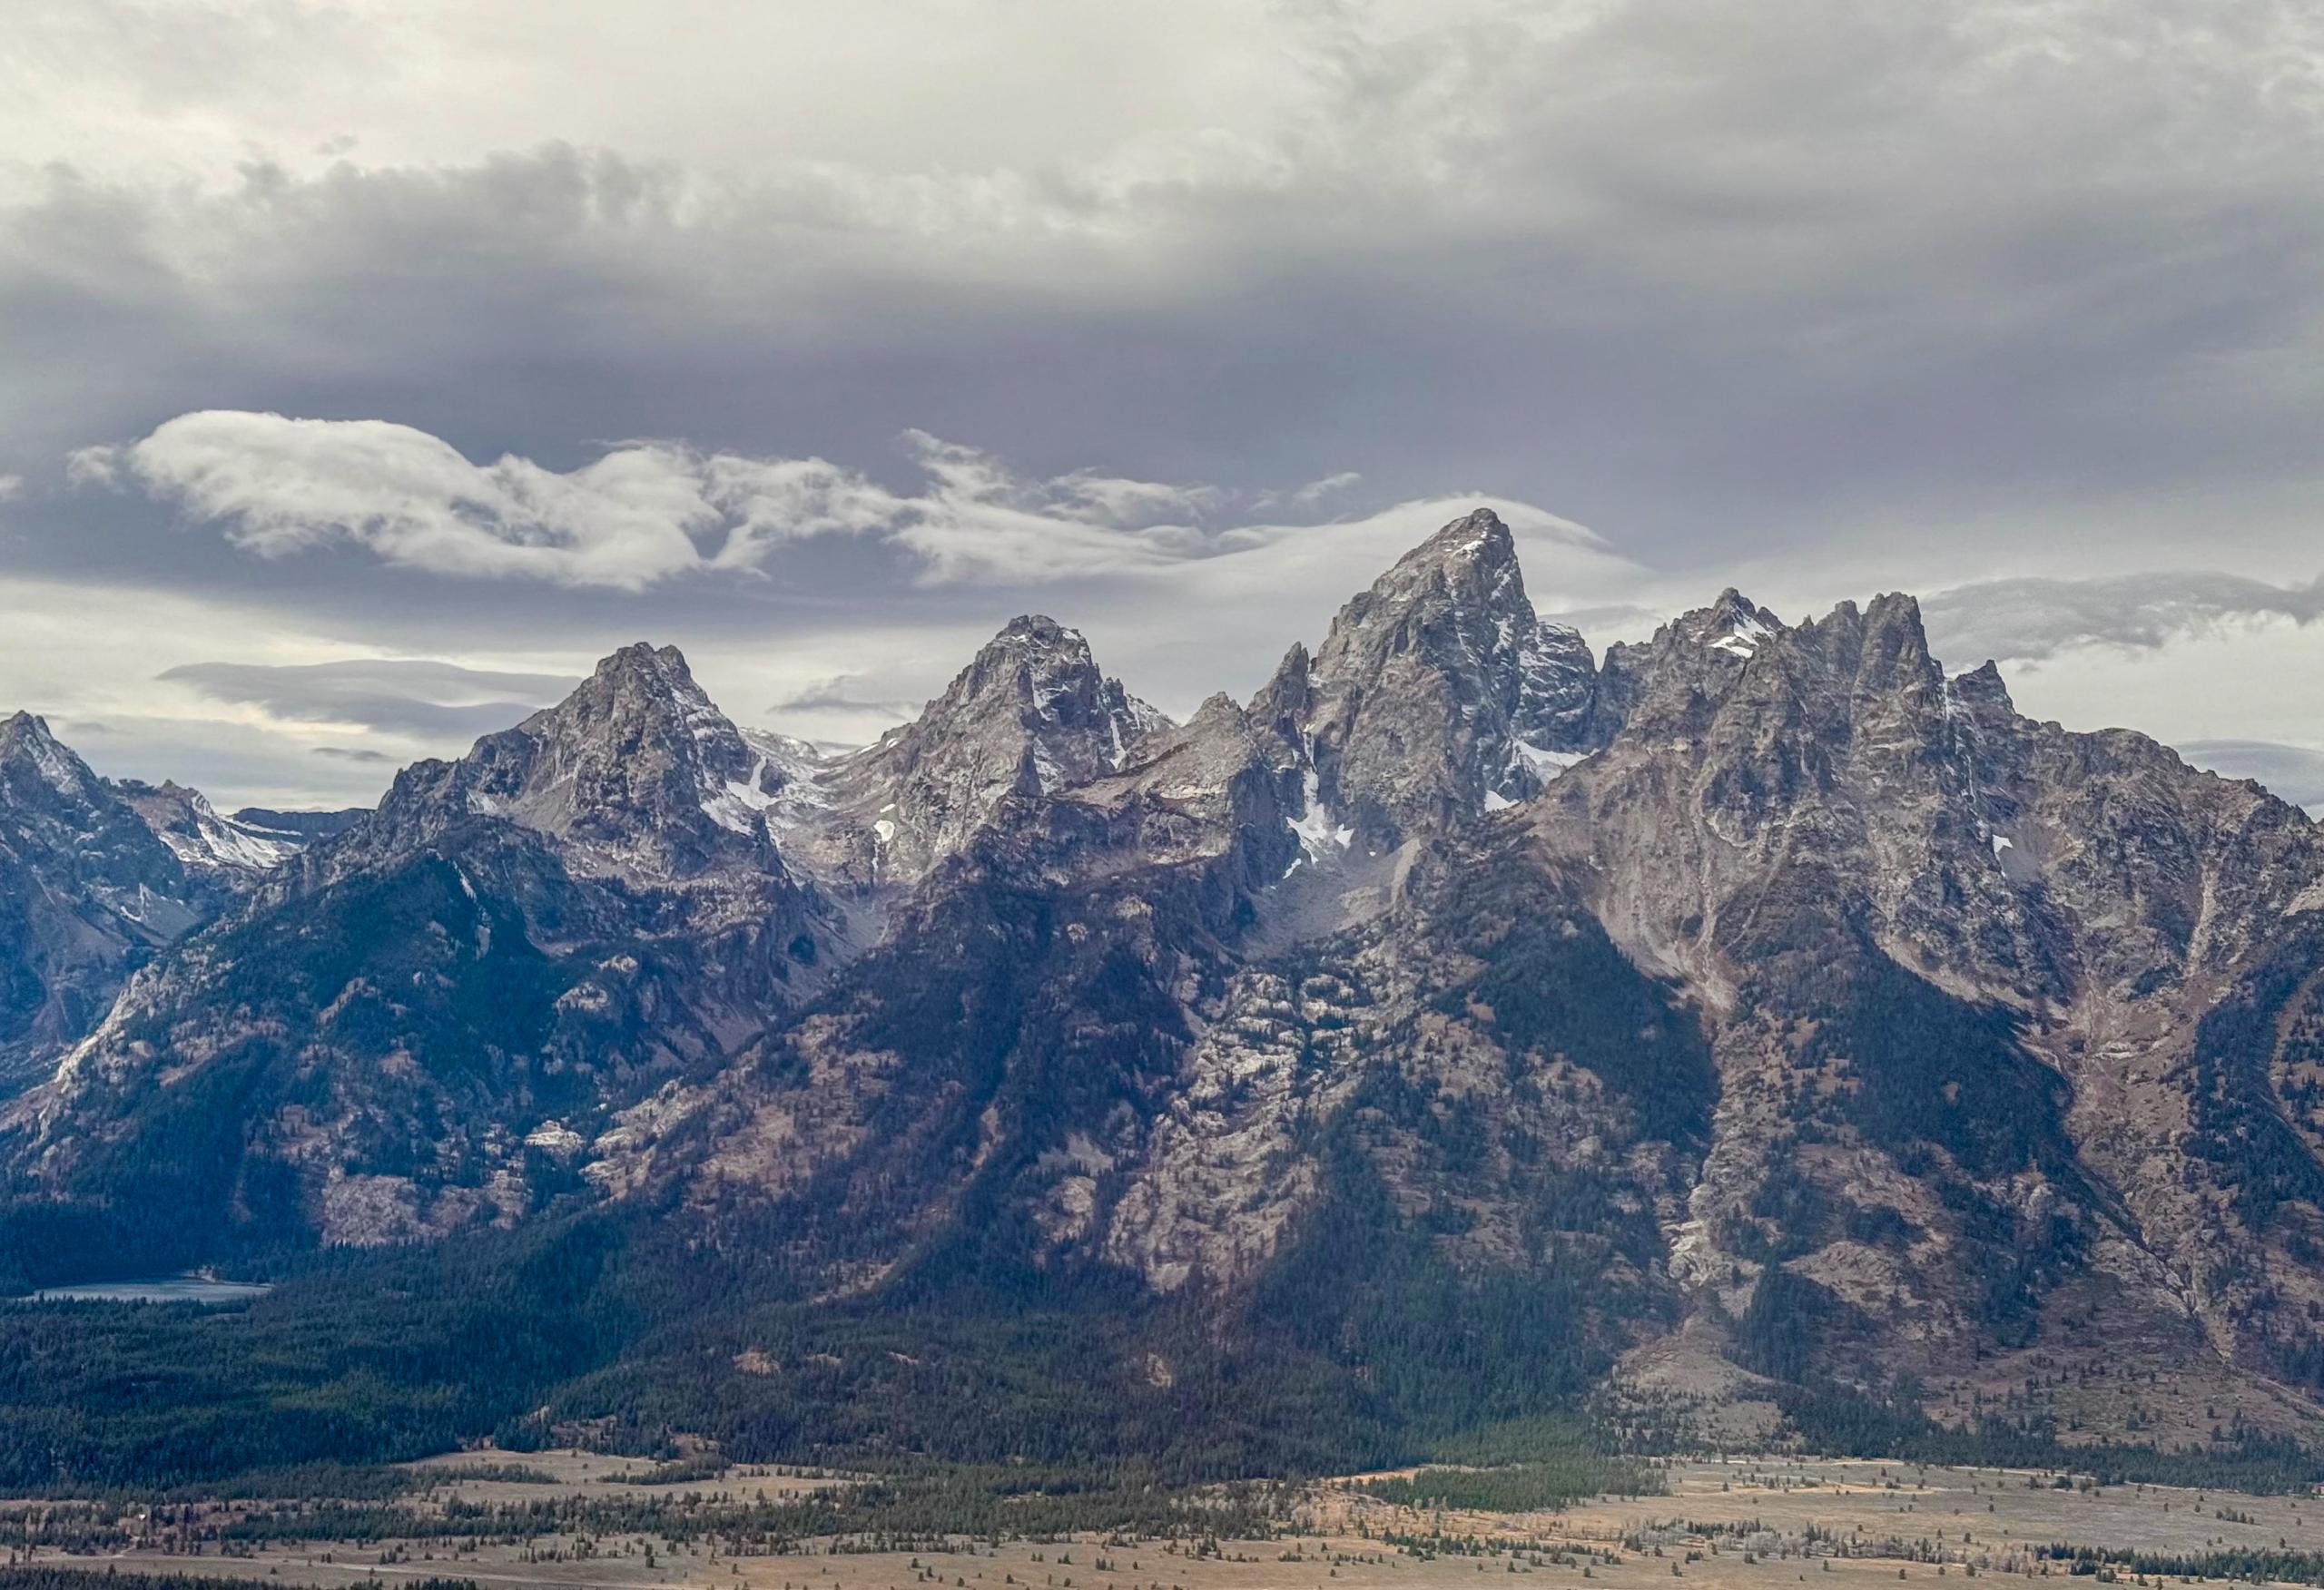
1483, 1025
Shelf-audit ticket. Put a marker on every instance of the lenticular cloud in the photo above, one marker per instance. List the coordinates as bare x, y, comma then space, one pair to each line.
648, 512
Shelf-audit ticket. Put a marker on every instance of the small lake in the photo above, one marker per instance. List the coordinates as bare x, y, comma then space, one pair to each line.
168, 1289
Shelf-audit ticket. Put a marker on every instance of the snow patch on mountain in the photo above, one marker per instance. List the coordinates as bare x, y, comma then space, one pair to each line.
1546, 764
739, 804
219, 843
1746, 634
1319, 836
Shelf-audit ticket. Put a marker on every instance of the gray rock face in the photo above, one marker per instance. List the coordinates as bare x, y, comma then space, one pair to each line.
1958, 968
635, 774
1031, 994
96, 875
1437, 693
2000, 1023
87, 892
1029, 717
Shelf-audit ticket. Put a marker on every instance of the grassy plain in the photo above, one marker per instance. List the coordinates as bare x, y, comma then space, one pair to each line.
1741, 1523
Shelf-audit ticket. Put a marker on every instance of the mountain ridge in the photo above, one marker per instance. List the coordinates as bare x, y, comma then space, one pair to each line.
1758, 1004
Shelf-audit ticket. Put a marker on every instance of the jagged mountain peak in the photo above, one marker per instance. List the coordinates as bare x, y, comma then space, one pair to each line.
56, 804
86, 890
636, 769
643, 656
1283, 702
1470, 563
643, 678
1039, 629
27, 744
1896, 612
1032, 666
1895, 645
1735, 649
1044, 675
1733, 623
1738, 628
649, 689
582, 903
1439, 691
1479, 536
1030, 716
1984, 687
1735, 662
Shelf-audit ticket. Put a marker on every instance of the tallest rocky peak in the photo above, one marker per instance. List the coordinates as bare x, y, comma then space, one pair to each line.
647, 664
1479, 534
1469, 566
1475, 550
1438, 692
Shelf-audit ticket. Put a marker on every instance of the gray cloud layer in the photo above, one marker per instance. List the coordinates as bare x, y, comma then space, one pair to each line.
2028, 620
1739, 261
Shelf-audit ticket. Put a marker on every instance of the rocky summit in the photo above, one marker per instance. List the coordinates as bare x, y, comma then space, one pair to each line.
1756, 1020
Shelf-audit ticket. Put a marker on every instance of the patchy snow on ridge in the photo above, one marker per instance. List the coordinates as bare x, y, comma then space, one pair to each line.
218, 842
1744, 639
198, 837
739, 804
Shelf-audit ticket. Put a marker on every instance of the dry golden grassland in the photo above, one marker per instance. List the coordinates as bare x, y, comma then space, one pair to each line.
1743, 1524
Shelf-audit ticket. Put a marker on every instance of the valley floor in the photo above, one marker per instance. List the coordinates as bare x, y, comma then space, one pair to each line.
1741, 1523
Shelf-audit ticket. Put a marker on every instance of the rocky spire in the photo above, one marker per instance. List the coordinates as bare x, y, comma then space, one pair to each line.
28, 751
1030, 716
636, 771
1692, 662
1437, 693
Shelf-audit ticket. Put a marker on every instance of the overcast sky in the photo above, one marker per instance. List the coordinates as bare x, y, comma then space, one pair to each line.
368, 368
